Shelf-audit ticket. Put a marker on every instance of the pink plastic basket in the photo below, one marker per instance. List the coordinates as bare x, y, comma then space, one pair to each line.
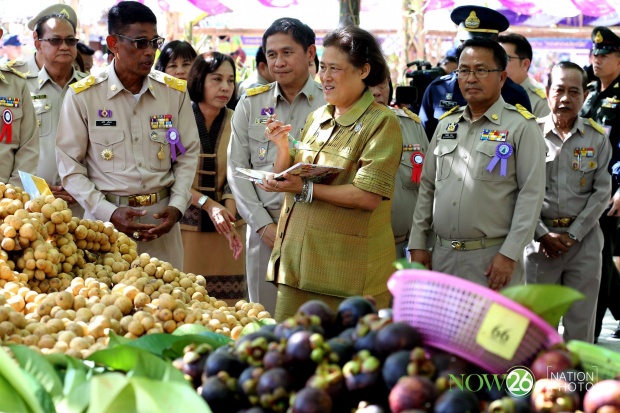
448, 311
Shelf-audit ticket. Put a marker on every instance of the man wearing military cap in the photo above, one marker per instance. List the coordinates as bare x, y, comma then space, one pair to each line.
33, 64
603, 105
443, 93
289, 46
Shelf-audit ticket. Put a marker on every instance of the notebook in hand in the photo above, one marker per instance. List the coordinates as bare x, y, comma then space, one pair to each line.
306, 171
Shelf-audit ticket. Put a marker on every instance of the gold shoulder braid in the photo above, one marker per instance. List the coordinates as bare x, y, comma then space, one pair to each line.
596, 126
258, 90
82, 85
524, 112
412, 115
450, 112
540, 92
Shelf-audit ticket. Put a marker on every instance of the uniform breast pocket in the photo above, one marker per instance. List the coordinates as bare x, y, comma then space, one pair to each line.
43, 110
405, 171
261, 155
444, 152
581, 181
109, 150
159, 151
484, 154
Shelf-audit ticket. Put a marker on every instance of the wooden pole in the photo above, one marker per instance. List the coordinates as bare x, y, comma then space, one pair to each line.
349, 13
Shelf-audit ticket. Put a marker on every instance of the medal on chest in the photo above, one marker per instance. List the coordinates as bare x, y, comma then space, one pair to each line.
7, 128
417, 161
502, 153
174, 139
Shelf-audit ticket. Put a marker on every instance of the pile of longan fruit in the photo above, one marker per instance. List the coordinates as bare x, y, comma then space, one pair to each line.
65, 283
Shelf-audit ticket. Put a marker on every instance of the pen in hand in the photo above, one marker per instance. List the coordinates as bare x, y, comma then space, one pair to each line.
295, 142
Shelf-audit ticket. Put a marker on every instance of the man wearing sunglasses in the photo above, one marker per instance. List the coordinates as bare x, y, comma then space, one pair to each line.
33, 64
127, 141
56, 46
483, 179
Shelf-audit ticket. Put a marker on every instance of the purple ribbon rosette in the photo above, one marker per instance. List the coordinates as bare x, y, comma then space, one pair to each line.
502, 152
174, 139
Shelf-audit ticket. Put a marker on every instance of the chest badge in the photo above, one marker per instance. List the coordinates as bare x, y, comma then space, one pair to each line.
262, 152
452, 127
107, 154
161, 121
7, 128
502, 153
174, 139
417, 161
104, 113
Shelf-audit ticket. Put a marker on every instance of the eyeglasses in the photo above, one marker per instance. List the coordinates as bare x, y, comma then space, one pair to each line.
478, 73
514, 57
57, 41
142, 44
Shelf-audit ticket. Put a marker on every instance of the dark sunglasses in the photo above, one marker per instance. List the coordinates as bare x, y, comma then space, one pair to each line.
57, 41
142, 44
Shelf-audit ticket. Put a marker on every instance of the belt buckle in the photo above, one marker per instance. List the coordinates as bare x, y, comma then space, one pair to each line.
458, 245
565, 222
144, 200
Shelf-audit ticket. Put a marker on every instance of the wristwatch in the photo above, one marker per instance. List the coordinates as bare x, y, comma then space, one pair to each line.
571, 236
202, 200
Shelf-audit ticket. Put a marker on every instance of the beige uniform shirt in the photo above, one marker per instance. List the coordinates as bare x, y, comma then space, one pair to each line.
578, 182
405, 195
538, 98
249, 148
460, 199
47, 97
19, 150
100, 118
31, 65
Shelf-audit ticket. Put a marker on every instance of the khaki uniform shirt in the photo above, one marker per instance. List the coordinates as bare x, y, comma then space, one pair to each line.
405, 190
328, 249
47, 98
538, 98
578, 182
87, 135
30, 65
22, 152
249, 148
460, 199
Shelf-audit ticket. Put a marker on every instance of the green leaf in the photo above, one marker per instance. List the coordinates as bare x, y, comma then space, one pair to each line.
154, 343
187, 329
43, 397
37, 365
549, 301
116, 340
157, 397
10, 402
111, 393
77, 400
16, 377
214, 340
74, 378
404, 264
137, 362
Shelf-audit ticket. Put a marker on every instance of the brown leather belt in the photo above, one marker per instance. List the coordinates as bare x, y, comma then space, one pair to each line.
469, 245
558, 222
139, 200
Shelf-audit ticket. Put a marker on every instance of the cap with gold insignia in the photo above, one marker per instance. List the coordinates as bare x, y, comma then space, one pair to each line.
604, 41
478, 21
62, 9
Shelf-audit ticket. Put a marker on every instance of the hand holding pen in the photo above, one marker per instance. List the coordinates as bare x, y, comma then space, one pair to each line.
277, 132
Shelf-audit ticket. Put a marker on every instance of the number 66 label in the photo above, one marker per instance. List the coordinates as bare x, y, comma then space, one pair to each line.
501, 331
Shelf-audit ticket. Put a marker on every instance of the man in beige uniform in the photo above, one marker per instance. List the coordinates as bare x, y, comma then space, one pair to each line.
483, 179
569, 238
19, 139
127, 142
520, 55
34, 63
289, 47
48, 89
406, 188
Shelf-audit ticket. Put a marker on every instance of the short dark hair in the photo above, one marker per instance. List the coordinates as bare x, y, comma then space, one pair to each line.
39, 25
172, 51
207, 63
523, 48
499, 54
361, 47
125, 13
260, 56
571, 66
316, 62
85, 49
301, 32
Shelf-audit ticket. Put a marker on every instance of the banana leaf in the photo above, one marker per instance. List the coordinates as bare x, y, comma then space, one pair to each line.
16, 377
36, 364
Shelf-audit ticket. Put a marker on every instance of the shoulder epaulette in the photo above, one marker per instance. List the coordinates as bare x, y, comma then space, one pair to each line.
15, 71
540, 92
412, 115
258, 90
82, 85
170, 81
596, 126
450, 112
524, 112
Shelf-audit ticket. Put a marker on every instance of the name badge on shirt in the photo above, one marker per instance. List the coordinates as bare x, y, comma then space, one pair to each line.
447, 104
261, 121
105, 123
448, 136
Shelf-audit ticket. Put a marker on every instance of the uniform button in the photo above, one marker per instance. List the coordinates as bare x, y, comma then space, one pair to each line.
471, 133
464, 156
106, 142
454, 203
143, 186
134, 112
292, 117
453, 228
135, 139
140, 164
459, 179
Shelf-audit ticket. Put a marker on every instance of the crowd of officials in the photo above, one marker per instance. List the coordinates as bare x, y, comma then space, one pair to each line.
499, 180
